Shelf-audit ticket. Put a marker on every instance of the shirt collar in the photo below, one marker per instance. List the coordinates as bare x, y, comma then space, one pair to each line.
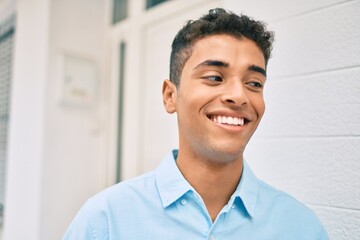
170, 182
172, 185
247, 190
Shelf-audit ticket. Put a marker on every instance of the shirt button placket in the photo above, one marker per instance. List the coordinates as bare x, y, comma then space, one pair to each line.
212, 237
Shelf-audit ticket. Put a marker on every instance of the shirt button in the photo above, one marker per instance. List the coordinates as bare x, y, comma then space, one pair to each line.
212, 237
233, 206
183, 202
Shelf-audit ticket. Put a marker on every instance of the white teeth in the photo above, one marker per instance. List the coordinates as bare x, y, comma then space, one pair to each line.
228, 120
241, 121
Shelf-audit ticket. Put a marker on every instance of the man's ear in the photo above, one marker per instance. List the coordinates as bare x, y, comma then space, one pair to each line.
169, 93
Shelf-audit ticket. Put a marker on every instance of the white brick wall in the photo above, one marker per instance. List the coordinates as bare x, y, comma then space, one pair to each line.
309, 142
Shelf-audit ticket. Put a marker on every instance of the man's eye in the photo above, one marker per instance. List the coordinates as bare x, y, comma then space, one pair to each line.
214, 78
256, 84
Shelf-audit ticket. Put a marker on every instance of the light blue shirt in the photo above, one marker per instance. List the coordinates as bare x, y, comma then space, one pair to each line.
163, 205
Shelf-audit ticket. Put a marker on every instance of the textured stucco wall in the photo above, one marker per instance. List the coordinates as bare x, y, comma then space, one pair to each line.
309, 142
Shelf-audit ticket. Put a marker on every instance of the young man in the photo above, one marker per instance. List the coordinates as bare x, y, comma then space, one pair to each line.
205, 190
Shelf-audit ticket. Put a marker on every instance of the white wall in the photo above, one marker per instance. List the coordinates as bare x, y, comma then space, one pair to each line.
26, 132
57, 156
74, 158
308, 142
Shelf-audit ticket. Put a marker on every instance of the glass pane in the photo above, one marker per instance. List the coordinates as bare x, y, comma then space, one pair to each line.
120, 108
151, 3
119, 10
7, 30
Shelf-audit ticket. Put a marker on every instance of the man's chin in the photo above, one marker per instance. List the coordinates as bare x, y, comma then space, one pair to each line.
225, 155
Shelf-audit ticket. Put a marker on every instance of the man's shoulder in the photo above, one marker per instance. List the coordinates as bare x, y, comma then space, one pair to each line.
275, 197
125, 190
104, 210
284, 209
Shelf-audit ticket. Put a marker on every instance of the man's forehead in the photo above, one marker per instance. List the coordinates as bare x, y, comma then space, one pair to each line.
220, 36
217, 50
207, 44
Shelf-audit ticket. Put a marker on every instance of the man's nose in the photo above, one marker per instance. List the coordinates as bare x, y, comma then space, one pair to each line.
234, 93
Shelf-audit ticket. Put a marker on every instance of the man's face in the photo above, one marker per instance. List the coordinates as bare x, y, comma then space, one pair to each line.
219, 102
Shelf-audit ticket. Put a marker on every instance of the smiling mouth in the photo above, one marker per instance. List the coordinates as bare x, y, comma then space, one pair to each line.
233, 121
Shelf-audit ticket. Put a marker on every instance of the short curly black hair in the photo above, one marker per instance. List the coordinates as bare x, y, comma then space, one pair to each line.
217, 21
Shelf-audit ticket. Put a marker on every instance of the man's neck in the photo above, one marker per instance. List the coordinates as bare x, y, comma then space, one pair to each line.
214, 182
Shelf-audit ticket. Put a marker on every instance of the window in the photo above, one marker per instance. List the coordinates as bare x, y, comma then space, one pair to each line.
6, 55
120, 10
152, 3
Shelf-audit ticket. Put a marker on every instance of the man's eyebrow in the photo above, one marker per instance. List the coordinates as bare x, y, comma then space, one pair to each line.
215, 63
257, 69
219, 63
